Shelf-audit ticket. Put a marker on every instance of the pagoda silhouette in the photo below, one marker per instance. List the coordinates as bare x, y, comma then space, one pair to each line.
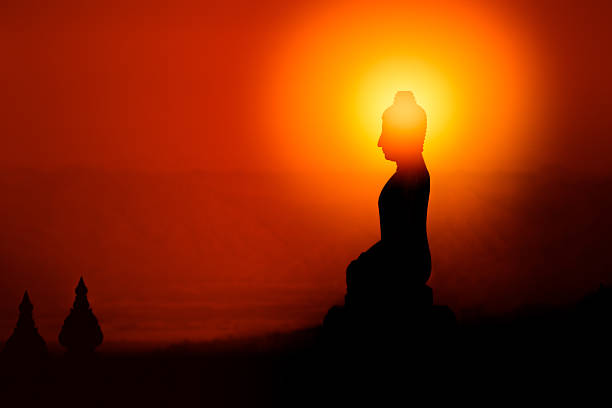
25, 342
81, 333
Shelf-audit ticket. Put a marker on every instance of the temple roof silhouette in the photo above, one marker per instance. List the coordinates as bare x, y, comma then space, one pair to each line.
81, 332
25, 340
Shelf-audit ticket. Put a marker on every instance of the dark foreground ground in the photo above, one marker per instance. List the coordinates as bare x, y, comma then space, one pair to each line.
544, 357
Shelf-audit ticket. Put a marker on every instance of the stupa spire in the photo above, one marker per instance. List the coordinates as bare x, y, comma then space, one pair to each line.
81, 332
25, 340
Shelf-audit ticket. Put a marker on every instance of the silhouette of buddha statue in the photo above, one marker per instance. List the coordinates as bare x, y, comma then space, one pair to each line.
388, 309
393, 272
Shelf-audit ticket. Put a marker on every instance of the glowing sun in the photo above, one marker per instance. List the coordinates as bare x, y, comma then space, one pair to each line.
325, 88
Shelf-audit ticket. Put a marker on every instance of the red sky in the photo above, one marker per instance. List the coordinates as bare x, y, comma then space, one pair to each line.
195, 163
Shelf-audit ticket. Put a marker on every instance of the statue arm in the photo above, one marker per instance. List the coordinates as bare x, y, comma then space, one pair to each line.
373, 253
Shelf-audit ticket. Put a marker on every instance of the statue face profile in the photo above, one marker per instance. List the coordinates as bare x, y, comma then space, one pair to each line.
403, 128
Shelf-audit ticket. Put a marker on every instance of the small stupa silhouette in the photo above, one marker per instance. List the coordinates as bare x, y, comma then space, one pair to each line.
81, 332
25, 340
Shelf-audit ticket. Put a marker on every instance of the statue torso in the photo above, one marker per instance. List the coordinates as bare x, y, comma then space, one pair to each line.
402, 209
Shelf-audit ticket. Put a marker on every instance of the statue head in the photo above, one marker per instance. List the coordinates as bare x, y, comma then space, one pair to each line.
403, 128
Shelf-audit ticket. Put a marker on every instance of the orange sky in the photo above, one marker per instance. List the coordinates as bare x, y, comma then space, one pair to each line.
219, 162
163, 86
